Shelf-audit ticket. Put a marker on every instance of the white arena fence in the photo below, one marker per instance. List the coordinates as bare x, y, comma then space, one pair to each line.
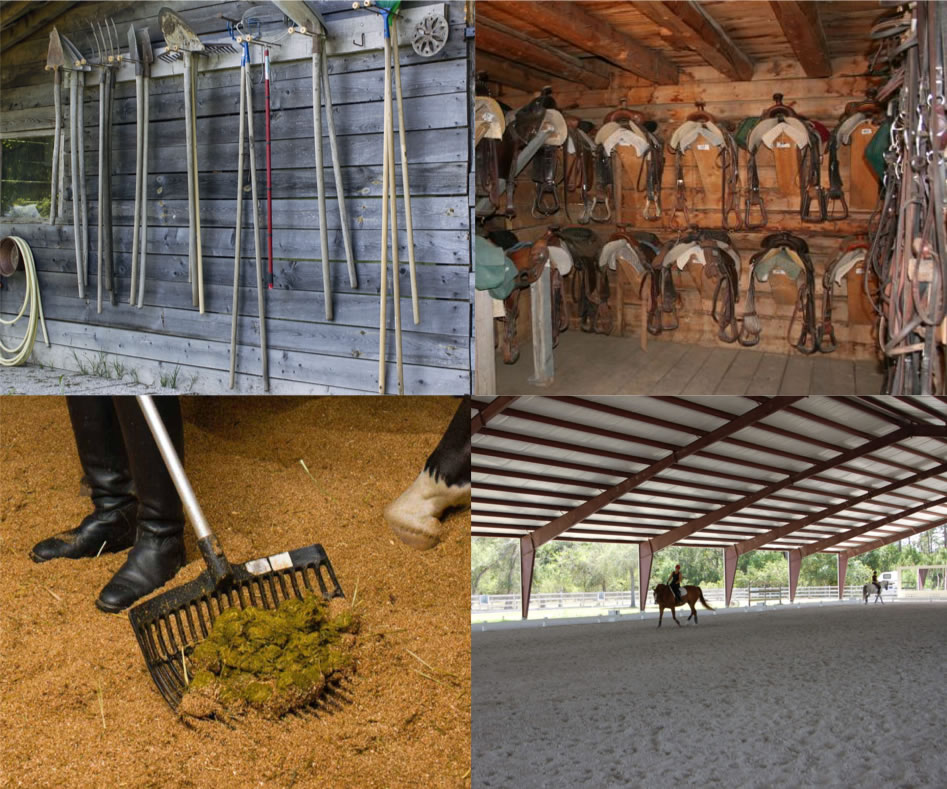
505, 603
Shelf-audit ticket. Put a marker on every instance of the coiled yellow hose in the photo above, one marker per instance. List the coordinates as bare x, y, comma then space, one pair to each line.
11, 357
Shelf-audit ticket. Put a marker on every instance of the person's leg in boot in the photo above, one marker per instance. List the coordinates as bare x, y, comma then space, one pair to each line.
111, 526
158, 552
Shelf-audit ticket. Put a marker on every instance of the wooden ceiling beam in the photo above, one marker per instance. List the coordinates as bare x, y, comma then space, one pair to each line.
32, 23
570, 22
513, 75
802, 27
692, 27
501, 40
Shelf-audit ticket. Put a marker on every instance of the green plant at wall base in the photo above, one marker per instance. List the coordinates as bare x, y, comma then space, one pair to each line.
170, 380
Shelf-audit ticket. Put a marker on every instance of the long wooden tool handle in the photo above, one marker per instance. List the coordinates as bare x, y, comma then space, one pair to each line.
101, 198
395, 262
257, 246
320, 179
144, 197
74, 162
197, 193
139, 143
238, 229
189, 143
83, 192
402, 136
337, 172
57, 141
383, 289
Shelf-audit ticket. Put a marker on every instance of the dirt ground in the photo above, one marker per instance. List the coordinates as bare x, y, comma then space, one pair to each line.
78, 705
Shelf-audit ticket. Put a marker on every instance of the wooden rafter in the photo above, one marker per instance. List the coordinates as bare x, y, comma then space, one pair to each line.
920, 405
570, 22
557, 526
782, 531
487, 412
692, 27
514, 75
802, 27
30, 23
505, 42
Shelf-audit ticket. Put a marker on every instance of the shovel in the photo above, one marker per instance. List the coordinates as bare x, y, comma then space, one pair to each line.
170, 625
179, 37
55, 61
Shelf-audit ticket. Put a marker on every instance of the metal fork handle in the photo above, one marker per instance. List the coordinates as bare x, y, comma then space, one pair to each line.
210, 548
175, 467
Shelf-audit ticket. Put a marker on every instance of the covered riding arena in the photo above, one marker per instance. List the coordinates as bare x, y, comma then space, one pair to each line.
831, 694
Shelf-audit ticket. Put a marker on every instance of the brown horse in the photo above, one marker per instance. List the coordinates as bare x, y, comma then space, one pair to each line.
691, 595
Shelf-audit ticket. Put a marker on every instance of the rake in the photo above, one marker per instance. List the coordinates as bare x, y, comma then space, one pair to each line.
170, 625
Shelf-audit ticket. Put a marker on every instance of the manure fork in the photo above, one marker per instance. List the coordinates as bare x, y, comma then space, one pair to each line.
169, 625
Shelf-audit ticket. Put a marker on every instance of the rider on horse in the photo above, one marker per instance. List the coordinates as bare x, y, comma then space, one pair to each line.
875, 581
675, 582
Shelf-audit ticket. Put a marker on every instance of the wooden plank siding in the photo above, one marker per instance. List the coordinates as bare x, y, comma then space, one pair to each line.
306, 352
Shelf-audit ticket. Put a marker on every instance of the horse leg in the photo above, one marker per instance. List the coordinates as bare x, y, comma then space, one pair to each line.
674, 614
693, 613
660, 616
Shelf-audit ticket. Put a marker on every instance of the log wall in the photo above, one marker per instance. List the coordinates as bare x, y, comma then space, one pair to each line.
729, 101
306, 352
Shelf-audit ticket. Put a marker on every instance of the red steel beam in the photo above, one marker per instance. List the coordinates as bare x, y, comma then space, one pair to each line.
881, 542
487, 412
795, 525
729, 509
557, 526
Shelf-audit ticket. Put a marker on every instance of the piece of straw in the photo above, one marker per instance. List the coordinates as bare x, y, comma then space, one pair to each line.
184, 666
53, 593
102, 548
101, 704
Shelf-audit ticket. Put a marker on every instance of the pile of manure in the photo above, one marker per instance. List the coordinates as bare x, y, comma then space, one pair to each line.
271, 661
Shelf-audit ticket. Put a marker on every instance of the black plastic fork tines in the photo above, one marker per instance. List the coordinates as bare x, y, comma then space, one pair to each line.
169, 626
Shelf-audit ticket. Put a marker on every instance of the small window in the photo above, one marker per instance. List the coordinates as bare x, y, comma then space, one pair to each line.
25, 177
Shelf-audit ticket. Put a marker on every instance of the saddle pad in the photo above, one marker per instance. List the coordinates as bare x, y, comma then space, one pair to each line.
845, 264
561, 259
682, 254
490, 115
844, 131
627, 137
556, 125
620, 251
782, 260
689, 132
791, 127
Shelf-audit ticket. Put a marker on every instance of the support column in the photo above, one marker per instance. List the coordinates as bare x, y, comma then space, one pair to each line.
729, 571
921, 577
645, 555
795, 564
540, 302
842, 569
527, 560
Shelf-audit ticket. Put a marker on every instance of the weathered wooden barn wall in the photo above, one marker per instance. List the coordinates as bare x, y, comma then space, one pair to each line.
819, 99
307, 353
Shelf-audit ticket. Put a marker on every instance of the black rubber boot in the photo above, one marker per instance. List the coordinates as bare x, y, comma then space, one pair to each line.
111, 527
158, 552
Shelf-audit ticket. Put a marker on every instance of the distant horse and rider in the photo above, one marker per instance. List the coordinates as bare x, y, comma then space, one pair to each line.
875, 588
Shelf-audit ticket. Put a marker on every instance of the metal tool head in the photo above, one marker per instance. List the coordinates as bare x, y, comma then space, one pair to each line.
79, 62
178, 35
133, 53
144, 49
170, 625
302, 14
55, 57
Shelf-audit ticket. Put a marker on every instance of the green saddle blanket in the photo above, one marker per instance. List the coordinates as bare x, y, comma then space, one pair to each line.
494, 271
